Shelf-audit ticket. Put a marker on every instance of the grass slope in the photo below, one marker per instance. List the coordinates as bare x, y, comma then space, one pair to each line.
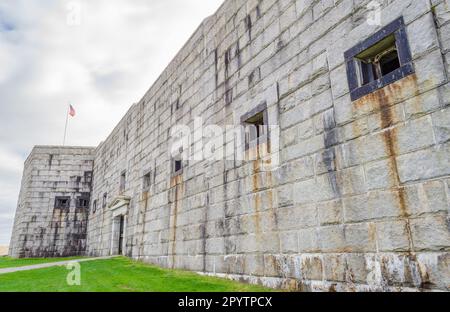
118, 275
7, 262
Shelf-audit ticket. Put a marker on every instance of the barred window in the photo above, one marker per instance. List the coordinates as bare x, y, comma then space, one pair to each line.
379, 60
256, 126
62, 202
83, 202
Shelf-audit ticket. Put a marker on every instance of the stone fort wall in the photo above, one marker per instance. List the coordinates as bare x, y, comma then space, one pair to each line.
360, 199
42, 228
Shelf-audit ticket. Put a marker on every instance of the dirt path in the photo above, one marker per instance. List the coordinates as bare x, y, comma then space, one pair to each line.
48, 265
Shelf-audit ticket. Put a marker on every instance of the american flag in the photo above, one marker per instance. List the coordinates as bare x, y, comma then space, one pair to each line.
72, 111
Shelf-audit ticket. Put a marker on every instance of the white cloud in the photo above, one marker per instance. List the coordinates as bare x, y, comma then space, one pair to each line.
102, 66
10, 162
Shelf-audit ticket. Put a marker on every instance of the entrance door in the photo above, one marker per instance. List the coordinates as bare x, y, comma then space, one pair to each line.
121, 228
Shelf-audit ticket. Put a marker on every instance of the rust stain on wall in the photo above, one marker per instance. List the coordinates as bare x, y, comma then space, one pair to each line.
262, 186
257, 201
177, 183
143, 213
383, 101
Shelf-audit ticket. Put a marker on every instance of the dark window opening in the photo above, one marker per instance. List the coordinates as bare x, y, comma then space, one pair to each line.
178, 165
105, 198
123, 180
258, 122
94, 206
147, 181
379, 60
248, 23
83, 202
256, 127
88, 176
389, 62
62, 202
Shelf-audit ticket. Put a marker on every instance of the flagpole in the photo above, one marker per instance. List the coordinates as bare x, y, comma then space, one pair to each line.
65, 128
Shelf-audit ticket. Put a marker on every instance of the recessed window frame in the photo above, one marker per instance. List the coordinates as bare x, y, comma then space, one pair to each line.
123, 182
175, 161
88, 176
83, 202
105, 200
147, 181
59, 202
246, 121
396, 28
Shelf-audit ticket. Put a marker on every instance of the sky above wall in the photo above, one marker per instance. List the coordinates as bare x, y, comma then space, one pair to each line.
101, 56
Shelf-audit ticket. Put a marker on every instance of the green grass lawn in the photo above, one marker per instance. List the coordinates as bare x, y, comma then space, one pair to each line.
118, 275
7, 262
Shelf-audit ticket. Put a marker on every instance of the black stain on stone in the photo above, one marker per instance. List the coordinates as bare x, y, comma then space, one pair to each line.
238, 55
228, 90
228, 96
216, 67
204, 234
227, 62
248, 26
258, 11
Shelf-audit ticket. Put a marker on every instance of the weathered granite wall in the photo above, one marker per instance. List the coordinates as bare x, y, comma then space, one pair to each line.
41, 229
360, 200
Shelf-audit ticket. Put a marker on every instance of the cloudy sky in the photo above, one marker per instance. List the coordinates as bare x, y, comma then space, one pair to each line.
101, 55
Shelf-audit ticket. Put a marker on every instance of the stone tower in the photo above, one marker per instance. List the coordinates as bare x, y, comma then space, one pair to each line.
53, 209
